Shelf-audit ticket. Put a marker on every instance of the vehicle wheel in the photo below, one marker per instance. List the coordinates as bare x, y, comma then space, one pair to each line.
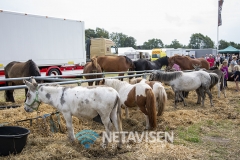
54, 72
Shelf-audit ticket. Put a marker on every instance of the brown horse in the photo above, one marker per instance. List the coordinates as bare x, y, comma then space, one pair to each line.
115, 64
19, 69
140, 95
92, 67
158, 90
187, 63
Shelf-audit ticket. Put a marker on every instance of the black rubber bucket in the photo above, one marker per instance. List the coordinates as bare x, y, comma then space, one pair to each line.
12, 139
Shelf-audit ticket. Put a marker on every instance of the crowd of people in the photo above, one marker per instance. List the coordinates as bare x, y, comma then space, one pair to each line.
227, 62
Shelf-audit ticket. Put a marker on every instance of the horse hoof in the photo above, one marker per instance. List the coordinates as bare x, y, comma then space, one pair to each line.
119, 146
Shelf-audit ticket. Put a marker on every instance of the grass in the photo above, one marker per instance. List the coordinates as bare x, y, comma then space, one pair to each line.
190, 134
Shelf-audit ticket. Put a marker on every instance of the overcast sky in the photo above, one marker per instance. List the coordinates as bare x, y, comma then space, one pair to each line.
142, 19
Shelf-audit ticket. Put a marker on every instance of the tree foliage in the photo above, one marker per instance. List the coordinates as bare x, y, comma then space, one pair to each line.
198, 41
102, 33
122, 40
224, 44
90, 33
153, 43
98, 33
175, 44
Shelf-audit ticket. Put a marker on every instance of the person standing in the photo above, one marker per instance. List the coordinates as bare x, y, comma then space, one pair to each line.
210, 61
218, 58
233, 63
206, 56
224, 69
236, 76
222, 58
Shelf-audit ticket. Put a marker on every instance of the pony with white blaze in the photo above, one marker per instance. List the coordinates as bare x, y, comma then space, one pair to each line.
132, 95
158, 90
82, 102
200, 81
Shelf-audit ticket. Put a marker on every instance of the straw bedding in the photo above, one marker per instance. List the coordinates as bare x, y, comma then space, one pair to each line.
44, 144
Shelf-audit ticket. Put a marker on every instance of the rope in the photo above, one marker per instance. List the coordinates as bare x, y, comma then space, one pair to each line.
42, 127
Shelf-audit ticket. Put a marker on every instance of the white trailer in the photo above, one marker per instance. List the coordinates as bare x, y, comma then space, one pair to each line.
55, 45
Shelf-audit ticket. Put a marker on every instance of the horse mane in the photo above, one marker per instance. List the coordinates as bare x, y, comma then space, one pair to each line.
32, 68
129, 61
167, 76
95, 63
213, 68
163, 60
115, 83
214, 80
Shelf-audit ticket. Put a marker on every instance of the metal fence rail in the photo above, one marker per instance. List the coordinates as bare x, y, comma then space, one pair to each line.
64, 79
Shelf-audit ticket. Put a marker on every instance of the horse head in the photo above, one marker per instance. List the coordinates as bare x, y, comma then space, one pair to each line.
171, 61
94, 62
32, 103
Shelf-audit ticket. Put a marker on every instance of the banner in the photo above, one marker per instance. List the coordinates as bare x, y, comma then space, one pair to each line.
220, 3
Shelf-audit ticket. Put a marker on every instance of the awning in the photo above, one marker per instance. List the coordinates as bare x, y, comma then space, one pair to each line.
229, 49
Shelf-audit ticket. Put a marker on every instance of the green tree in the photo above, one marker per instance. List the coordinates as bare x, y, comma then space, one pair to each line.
102, 33
238, 46
122, 40
198, 41
90, 33
130, 42
175, 44
153, 43
223, 44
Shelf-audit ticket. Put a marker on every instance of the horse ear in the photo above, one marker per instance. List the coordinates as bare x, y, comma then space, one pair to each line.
28, 84
34, 82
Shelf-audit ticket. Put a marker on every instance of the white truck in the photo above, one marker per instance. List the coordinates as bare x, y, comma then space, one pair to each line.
56, 45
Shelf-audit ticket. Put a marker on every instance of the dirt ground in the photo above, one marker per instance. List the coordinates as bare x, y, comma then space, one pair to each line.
199, 132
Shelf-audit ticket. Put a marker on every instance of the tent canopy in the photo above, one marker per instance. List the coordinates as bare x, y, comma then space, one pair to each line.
229, 49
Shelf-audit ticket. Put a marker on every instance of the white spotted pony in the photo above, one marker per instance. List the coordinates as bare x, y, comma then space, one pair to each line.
86, 102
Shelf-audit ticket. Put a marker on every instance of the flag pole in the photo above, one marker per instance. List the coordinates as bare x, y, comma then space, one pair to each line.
217, 25
220, 3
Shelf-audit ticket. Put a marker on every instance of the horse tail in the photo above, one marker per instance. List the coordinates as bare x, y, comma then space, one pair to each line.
214, 80
119, 112
162, 100
151, 110
222, 82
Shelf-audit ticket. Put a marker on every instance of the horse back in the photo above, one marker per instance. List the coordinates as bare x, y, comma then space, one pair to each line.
141, 65
113, 63
204, 63
21, 69
8, 67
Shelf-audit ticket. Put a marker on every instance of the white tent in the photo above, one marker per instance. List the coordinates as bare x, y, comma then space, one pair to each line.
124, 50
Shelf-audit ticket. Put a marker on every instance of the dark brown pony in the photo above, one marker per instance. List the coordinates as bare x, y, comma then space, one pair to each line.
187, 63
92, 67
115, 64
19, 69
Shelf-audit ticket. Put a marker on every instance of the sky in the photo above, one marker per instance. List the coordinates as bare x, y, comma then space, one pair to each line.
142, 19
